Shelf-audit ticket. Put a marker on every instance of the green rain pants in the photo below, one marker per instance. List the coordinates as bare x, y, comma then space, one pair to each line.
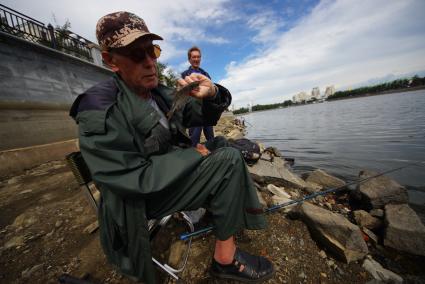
222, 185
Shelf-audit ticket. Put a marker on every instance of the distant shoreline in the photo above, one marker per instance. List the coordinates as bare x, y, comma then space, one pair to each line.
381, 93
350, 97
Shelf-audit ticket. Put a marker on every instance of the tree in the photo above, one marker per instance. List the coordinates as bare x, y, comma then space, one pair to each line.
166, 75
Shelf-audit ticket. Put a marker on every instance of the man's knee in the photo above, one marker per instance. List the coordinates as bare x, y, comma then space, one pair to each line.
230, 154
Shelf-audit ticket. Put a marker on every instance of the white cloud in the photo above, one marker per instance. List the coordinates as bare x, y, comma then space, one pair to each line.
339, 42
267, 25
175, 21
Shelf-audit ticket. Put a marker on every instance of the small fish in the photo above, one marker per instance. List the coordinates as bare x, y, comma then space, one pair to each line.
181, 97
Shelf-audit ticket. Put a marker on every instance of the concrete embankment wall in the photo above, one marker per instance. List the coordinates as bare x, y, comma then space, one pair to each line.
37, 87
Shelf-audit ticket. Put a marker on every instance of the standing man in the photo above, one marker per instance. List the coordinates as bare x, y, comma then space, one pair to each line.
194, 57
144, 165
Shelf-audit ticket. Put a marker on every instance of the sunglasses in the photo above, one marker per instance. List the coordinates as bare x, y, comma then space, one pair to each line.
138, 54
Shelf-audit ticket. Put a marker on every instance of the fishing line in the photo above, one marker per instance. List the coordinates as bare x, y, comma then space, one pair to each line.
307, 197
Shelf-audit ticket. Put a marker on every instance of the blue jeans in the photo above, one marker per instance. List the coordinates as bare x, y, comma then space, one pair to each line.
195, 134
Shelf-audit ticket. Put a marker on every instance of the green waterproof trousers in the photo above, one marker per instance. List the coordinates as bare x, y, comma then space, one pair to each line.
222, 185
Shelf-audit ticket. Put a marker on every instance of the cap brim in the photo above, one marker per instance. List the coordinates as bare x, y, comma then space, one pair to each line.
130, 38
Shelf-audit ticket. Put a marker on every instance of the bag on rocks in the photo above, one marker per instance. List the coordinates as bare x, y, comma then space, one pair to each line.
249, 149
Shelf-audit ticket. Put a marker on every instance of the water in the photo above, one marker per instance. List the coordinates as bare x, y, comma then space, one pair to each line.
343, 137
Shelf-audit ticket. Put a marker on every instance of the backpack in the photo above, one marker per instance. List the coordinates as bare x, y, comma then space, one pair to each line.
249, 149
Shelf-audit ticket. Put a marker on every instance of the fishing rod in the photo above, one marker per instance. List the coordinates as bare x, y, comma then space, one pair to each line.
292, 202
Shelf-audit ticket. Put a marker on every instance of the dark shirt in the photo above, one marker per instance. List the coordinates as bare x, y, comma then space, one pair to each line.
191, 70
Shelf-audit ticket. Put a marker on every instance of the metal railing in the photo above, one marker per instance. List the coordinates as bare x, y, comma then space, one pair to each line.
20, 25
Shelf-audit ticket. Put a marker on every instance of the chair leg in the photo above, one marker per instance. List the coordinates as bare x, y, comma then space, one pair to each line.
189, 223
164, 267
90, 197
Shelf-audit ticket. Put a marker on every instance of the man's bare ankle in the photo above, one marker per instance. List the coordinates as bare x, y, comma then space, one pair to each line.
223, 261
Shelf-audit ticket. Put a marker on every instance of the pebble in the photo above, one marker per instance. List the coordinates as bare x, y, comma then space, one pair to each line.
328, 205
14, 242
50, 234
58, 223
331, 263
322, 254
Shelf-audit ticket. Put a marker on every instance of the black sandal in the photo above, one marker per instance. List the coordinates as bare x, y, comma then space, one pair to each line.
257, 268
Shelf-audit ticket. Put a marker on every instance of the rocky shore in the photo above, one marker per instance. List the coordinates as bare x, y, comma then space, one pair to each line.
363, 234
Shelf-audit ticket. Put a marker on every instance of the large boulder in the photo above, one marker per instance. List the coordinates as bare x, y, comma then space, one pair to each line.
404, 230
364, 219
379, 273
324, 179
335, 232
276, 172
379, 191
235, 134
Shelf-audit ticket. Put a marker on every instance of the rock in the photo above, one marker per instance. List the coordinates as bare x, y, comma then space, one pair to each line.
331, 263
328, 205
335, 232
279, 191
235, 134
404, 230
24, 220
280, 196
16, 241
379, 273
294, 194
267, 156
277, 200
364, 219
379, 191
378, 213
91, 228
324, 179
58, 223
276, 172
29, 271
13, 180
322, 254
312, 187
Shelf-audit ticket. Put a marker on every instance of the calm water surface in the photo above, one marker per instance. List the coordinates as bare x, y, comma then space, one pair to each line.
343, 137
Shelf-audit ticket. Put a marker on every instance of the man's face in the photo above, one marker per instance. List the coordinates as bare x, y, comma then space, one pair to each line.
136, 64
195, 59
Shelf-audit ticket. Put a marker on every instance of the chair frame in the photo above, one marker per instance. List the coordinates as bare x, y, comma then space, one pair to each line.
83, 176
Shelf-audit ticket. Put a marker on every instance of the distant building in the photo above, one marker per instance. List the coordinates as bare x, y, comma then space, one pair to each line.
300, 97
315, 93
330, 90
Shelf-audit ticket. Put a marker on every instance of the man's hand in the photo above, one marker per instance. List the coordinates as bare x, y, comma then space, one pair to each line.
202, 149
206, 87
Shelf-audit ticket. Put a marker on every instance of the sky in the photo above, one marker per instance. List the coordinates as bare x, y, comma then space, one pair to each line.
267, 51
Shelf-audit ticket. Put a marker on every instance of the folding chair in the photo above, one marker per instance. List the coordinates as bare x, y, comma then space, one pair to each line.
83, 176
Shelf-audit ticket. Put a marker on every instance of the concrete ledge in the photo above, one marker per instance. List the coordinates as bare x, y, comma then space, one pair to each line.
17, 161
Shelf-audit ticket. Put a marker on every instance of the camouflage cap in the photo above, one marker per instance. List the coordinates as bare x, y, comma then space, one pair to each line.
120, 29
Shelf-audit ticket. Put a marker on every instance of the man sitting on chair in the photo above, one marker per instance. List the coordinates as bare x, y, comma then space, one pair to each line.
144, 163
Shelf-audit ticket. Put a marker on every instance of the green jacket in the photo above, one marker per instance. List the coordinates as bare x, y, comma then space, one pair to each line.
130, 154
